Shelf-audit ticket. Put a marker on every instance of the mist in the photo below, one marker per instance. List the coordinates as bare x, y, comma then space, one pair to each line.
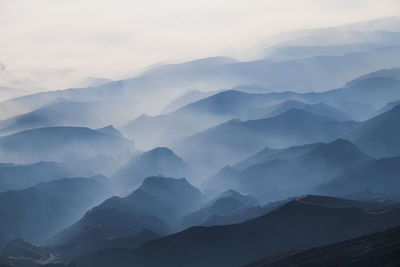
132, 132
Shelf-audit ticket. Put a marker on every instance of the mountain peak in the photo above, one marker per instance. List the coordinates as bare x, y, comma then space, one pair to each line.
339, 148
111, 131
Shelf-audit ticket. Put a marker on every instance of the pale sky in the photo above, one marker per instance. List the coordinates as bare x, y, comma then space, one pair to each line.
53, 44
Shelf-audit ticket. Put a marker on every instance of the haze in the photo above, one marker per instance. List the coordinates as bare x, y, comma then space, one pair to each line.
54, 44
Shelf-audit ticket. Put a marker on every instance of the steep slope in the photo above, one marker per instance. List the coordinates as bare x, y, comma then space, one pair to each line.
60, 113
205, 113
111, 131
178, 192
224, 204
374, 91
157, 202
17, 176
298, 224
99, 226
282, 178
381, 176
268, 154
37, 212
393, 73
158, 161
234, 140
379, 136
243, 199
220, 207
320, 109
60, 143
378, 249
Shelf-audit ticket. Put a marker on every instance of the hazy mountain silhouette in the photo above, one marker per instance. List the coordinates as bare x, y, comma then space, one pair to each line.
245, 213
59, 143
59, 113
158, 161
282, 178
130, 242
268, 154
380, 176
157, 201
205, 113
18, 176
226, 203
320, 109
243, 199
379, 136
375, 92
178, 192
99, 226
220, 207
300, 223
111, 131
393, 73
234, 140
37, 212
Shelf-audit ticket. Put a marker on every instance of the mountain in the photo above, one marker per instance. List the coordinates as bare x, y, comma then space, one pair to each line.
85, 192
205, 113
60, 113
387, 107
381, 176
378, 136
320, 109
301, 223
130, 242
38, 212
186, 99
268, 154
378, 249
234, 140
111, 131
374, 91
18, 176
178, 192
132, 96
18, 252
243, 199
158, 202
245, 213
158, 161
393, 73
282, 178
220, 207
357, 100
60, 143
226, 203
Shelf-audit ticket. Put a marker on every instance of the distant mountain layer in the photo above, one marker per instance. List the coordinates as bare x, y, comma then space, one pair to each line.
133, 95
379, 136
17, 176
158, 161
60, 143
280, 178
380, 176
301, 223
234, 140
224, 204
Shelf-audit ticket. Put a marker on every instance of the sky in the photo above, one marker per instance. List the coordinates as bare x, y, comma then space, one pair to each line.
55, 44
